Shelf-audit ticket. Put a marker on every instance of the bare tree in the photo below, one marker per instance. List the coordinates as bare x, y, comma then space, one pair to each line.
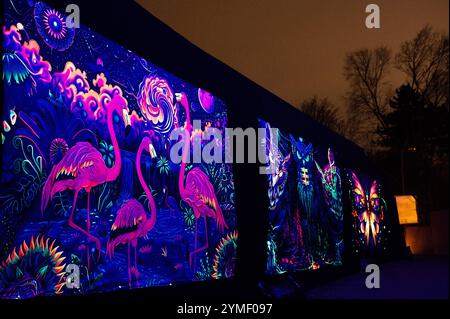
368, 96
366, 72
424, 60
324, 112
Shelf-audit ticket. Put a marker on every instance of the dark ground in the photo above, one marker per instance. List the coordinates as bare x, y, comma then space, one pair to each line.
422, 277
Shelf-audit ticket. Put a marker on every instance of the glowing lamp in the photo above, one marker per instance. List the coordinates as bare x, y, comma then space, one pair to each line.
407, 209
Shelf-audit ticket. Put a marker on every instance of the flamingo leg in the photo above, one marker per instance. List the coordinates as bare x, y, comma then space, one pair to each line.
88, 228
194, 253
195, 243
97, 242
196, 250
129, 264
88, 221
135, 257
78, 228
136, 274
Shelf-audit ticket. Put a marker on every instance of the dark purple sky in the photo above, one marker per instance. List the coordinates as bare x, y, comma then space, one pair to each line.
295, 48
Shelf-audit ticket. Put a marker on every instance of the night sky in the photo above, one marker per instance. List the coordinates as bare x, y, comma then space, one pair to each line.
296, 48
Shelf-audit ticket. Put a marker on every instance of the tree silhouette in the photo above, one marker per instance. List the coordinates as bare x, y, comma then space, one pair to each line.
403, 125
415, 124
424, 59
369, 93
324, 112
415, 132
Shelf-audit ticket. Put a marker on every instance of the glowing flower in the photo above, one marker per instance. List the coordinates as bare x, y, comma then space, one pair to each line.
223, 264
163, 165
189, 218
107, 151
51, 26
58, 148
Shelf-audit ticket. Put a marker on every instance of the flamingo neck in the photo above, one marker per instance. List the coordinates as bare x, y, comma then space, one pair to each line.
187, 141
114, 171
152, 220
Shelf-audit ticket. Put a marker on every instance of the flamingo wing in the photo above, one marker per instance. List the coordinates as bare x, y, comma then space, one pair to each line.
81, 159
81, 167
129, 214
201, 190
202, 197
126, 225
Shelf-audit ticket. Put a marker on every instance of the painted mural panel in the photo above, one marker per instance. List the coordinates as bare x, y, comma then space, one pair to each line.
370, 231
305, 205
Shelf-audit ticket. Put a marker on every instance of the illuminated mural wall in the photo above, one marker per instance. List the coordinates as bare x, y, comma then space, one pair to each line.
305, 205
311, 199
370, 232
86, 176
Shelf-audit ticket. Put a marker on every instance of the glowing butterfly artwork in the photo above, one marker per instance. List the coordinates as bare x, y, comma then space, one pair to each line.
368, 210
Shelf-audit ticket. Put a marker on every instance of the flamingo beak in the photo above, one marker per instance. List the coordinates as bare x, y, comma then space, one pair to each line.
181, 98
126, 118
127, 121
151, 150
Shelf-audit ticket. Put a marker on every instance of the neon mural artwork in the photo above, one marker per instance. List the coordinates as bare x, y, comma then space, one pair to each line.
278, 179
305, 225
303, 156
86, 170
131, 220
155, 102
224, 259
83, 168
197, 191
35, 268
368, 209
332, 189
22, 61
52, 27
206, 100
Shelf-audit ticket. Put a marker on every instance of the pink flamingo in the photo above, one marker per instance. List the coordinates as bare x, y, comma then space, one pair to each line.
131, 221
198, 193
82, 167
